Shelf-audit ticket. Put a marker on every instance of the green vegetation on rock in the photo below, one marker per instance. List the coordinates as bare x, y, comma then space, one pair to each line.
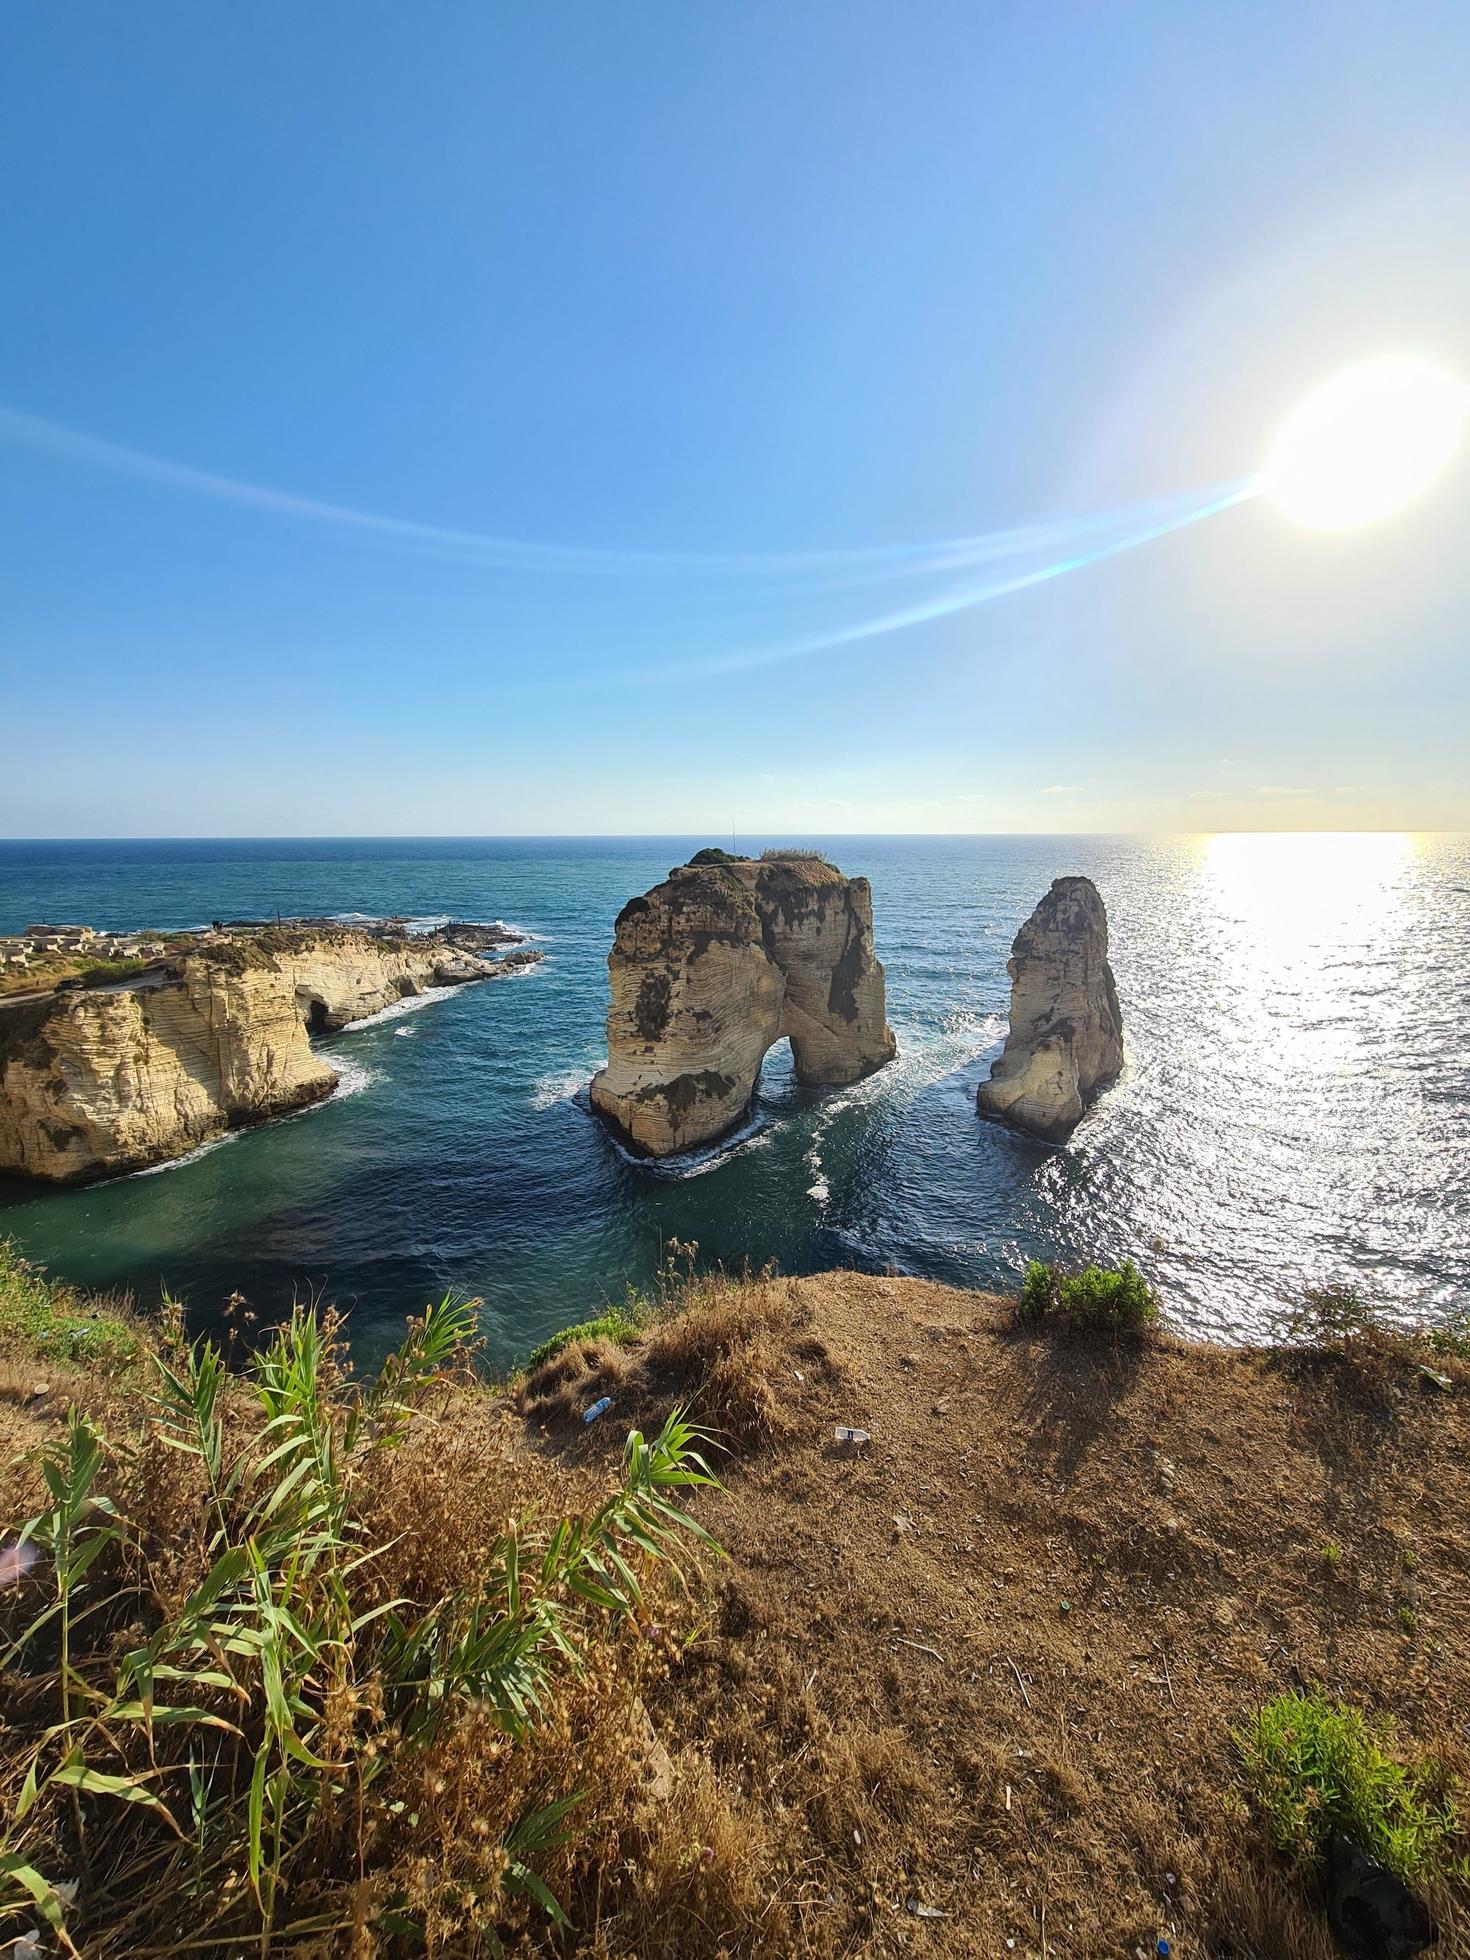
1316, 1767
618, 1324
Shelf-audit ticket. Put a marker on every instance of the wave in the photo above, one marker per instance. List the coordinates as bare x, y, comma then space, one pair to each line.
352, 1078
755, 1134
417, 924
561, 1085
394, 1011
189, 1156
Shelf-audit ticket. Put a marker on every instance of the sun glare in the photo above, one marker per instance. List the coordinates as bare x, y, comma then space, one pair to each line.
1366, 442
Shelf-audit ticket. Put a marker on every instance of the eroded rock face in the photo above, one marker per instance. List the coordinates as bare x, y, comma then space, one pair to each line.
93, 1083
1065, 1043
714, 965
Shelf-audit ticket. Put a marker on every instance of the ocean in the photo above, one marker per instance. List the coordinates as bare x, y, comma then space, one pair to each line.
1295, 1107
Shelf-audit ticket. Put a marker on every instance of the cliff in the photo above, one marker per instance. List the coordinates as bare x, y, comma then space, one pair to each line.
1013, 1656
1065, 1042
710, 968
93, 1083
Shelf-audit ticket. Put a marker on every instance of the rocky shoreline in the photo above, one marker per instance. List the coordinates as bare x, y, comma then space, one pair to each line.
101, 1076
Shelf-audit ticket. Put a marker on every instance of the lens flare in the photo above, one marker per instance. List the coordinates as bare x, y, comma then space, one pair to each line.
1366, 442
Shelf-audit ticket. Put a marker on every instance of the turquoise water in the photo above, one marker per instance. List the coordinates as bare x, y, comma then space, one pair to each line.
1296, 1104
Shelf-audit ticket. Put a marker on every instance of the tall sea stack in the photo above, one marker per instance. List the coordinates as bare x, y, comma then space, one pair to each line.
1065, 1043
714, 965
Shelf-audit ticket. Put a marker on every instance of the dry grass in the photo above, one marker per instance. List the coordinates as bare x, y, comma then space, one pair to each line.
338, 1668
737, 1353
1135, 1531
988, 1667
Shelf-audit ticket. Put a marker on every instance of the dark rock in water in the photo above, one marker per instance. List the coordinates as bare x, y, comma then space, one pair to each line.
1066, 1035
1373, 1913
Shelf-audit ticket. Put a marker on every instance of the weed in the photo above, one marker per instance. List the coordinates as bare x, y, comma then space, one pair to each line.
1335, 1320
1316, 1767
1332, 1555
237, 1715
51, 1317
618, 1324
1451, 1337
1340, 1321
1106, 1298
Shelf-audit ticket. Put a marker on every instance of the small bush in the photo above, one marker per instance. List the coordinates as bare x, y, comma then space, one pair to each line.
1316, 1767
618, 1324
51, 1317
1451, 1337
776, 853
1338, 1320
1111, 1299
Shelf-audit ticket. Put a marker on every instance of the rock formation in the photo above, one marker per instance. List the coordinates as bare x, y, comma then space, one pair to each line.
1066, 1036
714, 965
98, 1081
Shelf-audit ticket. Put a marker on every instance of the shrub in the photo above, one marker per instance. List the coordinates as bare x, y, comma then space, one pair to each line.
1450, 1337
1338, 1320
50, 1316
618, 1324
218, 1723
1317, 1767
1110, 1299
712, 854
799, 853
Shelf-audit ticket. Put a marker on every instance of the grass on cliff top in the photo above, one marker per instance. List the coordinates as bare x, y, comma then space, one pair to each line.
293, 1662
54, 1321
374, 1649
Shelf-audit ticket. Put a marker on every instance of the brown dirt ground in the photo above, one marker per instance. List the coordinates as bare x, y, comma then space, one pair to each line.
989, 1665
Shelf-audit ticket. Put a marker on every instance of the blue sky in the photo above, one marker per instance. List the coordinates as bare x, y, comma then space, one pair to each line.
682, 294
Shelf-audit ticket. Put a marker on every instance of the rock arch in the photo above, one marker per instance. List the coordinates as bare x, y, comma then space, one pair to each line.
712, 967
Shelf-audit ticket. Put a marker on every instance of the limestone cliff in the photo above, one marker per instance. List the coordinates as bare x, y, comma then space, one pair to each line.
714, 965
94, 1082
1066, 1035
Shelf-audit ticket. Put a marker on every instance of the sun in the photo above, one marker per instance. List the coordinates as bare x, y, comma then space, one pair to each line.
1365, 442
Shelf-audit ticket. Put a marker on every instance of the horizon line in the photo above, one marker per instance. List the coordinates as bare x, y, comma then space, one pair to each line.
679, 836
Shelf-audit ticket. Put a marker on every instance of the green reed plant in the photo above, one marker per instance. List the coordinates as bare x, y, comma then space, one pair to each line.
238, 1725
